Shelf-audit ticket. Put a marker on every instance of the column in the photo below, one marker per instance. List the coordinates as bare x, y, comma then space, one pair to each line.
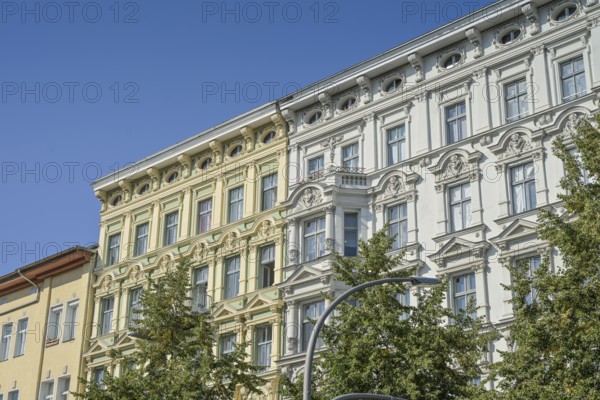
291, 328
126, 243
293, 247
539, 81
329, 228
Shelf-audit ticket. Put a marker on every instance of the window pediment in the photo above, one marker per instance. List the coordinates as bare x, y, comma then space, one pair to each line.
455, 166
396, 186
459, 252
516, 236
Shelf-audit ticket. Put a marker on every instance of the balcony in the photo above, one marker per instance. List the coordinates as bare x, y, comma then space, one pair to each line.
348, 177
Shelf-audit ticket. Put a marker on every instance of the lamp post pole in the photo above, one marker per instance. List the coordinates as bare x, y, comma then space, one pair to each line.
307, 393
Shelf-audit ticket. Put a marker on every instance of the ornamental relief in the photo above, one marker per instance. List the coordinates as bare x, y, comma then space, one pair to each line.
394, 187
310, 197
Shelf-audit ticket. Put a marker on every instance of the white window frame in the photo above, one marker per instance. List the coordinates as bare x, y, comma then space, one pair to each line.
266, 272
534, 261
204, 213
21, 337
456, 119
269, 192
264, 346
318, 234
229, 339
13, 395
231, 277
352, 160
114, 249
467, 294
105, 326
577, 94
141, 239
47, 390
236, 204
5, 340
352, 230
463, 202
525, 184
63, 387
98, 377
321, 166
171, 229
306, 314
132, 304
400, 141
200, 289
400, 240
53, 330
518, 96
70, 324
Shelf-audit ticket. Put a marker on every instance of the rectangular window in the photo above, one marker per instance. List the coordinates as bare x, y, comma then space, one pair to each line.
236, 204
314, 238
269, 192
460, 207
404, 299
114, 246
585, 174
456, 122
141, 239
266, 274
316, 165
47, 390
312, 311
200, 290
171, 223
232, 277
135, 306
572, 77
7, 330
70, 321
350, 156
14, 395
54, 322
21, 337
396, 145
98, 377
464, 293
532, 264
523, 187
350, 234
264, 341
516, 100
107, 306
397, 219
204, 216
228, 343
64, 384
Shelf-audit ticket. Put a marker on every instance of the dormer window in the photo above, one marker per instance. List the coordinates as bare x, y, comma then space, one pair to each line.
206, 163
314, 118
348, 103
393, 85
117, 200
510, 36
172, 177
144, 189
269, 137
565, 13
452, 61
237, 150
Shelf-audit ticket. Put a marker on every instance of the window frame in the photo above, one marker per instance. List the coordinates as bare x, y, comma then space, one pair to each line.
400, 141
321, 165
13, 395
400, 221
462, 202
577, 94
266, 344
131, 303
317, 234
518, 95
207, 213
62, 390
104, 312
141, 238
227, 338
171, 228
47, 390
113, 252
228, 292
237, 204
467, 294
266, 271
355, 230
532, 267
71, 311
54, 323
269, 191
21, 337
306, 332
352, 161
5, 340
525, 183
456, 119
197, 293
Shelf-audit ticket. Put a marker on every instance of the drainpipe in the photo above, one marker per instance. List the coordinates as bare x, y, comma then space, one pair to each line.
37, 296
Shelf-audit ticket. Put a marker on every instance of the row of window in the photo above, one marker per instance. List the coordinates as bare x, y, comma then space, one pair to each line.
235, 212
516, 99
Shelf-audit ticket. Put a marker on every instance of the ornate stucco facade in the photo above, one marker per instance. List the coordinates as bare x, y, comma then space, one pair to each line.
44, 320
448, 138
217, 197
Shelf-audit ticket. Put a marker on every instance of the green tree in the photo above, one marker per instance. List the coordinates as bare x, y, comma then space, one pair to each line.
174, 357
374, 344
556, 336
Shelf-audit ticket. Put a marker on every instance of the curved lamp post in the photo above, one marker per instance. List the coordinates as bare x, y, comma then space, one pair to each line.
307, 393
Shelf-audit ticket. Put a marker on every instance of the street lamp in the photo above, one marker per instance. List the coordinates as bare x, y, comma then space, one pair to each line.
307, 393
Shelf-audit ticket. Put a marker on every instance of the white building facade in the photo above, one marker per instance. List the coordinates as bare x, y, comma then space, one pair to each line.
448, 138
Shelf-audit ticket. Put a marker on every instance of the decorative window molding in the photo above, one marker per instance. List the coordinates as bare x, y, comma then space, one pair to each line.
392, 82
456, 53
564, 11
500, 35
313, 116
347, 101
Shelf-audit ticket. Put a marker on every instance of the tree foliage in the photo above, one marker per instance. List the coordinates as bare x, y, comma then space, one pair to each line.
556, 337
378, 345
175, 353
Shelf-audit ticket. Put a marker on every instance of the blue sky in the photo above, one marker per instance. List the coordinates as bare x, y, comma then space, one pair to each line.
90, 86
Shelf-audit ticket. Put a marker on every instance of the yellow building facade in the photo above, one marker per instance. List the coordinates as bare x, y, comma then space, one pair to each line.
216, 197
44, 320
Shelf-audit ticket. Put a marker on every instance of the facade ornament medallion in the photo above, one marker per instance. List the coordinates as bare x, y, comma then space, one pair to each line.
310, 197
394, 186
516, 145
454, 167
